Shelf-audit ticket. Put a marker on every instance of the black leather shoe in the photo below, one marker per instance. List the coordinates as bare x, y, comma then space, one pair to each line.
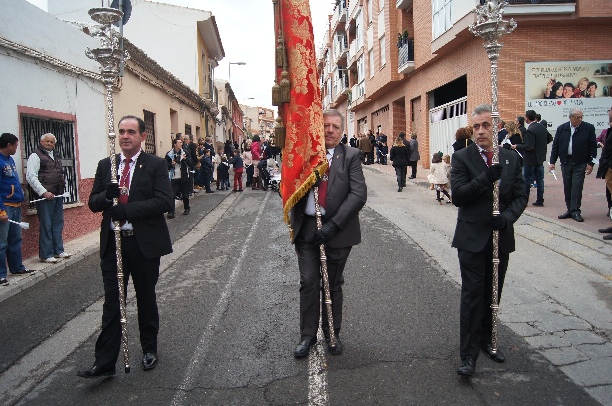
468, 367
607, 237
170, 215
538, 204
96, 372
186, 212
497, 357
605, 230
337, 350
565, 215
577, 217
302, 349
149, 361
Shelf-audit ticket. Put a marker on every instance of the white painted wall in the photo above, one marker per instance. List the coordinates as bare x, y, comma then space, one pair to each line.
166, 33
26, 81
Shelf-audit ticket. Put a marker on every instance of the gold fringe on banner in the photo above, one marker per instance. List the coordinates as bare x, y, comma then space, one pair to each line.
280, 132
285, 85
276, 95
280, 53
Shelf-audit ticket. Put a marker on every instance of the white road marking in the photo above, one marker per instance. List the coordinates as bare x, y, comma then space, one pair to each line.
196, 361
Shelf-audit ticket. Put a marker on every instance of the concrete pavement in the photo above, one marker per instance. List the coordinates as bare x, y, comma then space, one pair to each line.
558, 289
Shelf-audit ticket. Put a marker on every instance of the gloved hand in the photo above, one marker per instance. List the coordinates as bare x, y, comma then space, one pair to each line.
494, 172
118, 213
325, 233
112, 191
498, 222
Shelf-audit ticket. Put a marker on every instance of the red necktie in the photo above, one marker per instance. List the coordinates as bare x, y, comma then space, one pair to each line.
124, 184
323, 189
489, 155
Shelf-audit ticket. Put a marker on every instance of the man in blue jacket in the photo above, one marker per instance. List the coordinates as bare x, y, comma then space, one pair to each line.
10, 209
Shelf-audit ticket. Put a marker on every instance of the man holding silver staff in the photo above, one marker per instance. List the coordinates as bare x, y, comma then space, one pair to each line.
144, 195
46, 177
473, 176
341, 197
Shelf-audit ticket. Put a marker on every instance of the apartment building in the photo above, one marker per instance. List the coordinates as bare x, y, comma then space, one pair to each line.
413, 65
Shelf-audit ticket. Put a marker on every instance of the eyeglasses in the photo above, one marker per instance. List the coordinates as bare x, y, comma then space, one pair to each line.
578, 117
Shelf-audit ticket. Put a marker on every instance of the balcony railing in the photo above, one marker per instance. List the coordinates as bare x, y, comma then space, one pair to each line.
405, 63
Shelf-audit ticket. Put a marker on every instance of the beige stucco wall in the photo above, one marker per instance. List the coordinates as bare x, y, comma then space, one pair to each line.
137, 95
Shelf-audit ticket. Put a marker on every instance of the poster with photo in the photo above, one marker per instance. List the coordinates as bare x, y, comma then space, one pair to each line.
553, 89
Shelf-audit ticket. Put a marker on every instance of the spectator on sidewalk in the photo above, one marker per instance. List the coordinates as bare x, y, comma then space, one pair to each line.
46, 177
400, 156
365, 146
472, 180
534, 155
463, 138
179, 165
605, 171
207, 170
414, 154
10, 209
575, 145
438, 176
402, 135
238, 166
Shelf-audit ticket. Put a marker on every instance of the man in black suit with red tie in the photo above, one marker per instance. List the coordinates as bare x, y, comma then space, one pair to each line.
575, 145
473, 176
345, 195
144, 195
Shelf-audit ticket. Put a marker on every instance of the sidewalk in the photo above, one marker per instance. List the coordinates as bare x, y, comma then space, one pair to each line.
594, 205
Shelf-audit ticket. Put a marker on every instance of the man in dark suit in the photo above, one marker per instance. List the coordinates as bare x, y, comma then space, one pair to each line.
534, 154
144, 196
576, 147
346, 194
473, 177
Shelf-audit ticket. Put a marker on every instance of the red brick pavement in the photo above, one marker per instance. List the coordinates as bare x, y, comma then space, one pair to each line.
594, 205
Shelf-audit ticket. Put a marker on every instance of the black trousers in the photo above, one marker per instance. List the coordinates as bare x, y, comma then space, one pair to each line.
311, 287
573, 183
413, 166
475, 323
183, 187
145, 273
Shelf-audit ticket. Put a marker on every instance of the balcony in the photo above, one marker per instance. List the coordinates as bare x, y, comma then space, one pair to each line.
354, 49
405, 60
353, 6
403, 4
539, 7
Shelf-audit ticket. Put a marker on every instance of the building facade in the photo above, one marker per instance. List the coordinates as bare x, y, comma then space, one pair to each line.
413, 65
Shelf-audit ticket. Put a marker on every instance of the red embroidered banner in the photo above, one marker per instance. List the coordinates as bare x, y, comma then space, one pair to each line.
304, 149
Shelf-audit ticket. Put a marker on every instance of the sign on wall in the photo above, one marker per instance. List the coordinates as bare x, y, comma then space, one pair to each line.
553, 89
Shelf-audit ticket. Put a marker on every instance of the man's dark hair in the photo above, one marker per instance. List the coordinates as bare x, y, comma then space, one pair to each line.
568, 84
174, 141
521, 120
141, 123
538, 117
7, 138
531, 115
402, 135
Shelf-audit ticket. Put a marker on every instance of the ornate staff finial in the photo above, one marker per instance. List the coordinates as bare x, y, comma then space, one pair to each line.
491, 26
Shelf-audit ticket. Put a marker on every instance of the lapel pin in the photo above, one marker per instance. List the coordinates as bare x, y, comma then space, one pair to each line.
141, 165
507, 162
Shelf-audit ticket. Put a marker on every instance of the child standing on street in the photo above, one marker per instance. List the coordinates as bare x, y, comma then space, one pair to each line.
384, 151
438, 177
223, 174
238, 165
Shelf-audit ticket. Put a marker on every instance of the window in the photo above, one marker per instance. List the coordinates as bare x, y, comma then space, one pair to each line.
188, 129
441, 16
383, 56
381, 5
149, 119
371, 57
33, 128
360, 69
370, 12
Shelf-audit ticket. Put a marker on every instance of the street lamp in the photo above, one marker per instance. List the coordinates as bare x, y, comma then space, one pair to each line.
229, 70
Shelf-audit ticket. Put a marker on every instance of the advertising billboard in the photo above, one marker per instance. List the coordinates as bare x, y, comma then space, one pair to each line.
553, 89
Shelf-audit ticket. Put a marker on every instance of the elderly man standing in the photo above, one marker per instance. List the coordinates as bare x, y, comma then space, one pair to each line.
46, 177
575, 145
341, 196
473, 176
10, 209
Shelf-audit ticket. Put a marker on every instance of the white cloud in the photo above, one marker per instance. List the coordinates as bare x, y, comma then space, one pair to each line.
246, 28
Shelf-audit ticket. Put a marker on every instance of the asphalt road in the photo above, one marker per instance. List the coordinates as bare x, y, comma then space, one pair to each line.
229, 322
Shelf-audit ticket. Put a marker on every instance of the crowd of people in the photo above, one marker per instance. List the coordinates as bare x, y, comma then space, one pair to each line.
192, 167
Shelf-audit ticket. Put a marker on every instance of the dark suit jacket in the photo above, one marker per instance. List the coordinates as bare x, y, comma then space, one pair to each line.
346, 195
605, 161
473, 194
535, 143
584, 145
150, 197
